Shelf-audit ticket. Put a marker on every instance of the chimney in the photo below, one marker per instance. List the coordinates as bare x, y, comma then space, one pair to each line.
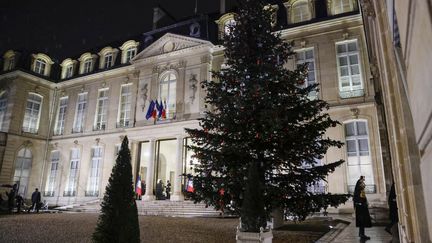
158, 13
222, 6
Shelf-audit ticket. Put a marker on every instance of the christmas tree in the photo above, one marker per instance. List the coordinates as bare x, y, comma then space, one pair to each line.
118, 221
262, 134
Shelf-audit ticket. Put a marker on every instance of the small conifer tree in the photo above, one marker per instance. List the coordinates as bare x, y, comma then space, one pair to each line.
118, 221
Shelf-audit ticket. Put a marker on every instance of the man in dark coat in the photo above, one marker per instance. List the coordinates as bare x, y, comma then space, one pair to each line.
36, 199
363, 219
11, 197
159, 190
393, 213
168, 190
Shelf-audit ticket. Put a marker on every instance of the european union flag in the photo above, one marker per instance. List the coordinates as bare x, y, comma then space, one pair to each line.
150, 110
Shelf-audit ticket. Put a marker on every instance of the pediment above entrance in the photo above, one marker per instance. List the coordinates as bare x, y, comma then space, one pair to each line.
171, 43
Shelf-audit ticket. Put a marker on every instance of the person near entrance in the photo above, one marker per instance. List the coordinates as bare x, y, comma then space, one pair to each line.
168, 190
36, 199
159, 190
11, 197
363, 219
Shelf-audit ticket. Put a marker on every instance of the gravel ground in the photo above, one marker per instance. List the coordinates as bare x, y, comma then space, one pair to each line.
78, 227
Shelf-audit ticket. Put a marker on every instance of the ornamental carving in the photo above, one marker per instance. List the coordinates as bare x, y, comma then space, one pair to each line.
144, 91
193, 87
367, 8
167, 67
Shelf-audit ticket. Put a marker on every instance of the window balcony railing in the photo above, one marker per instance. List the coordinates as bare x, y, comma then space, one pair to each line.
48, 194
30, 130
77, 130
124, 124
99, 127
58, 133
351, 93
92, 193
69, 193
368, 189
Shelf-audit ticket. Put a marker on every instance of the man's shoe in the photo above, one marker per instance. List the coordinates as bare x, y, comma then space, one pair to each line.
388, 230
364, 237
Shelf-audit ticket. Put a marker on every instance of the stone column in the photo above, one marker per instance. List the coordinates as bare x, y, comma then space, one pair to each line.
150, 172
177, 195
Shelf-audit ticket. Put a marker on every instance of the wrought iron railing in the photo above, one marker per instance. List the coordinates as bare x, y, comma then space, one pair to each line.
99, 127
92, 193
48, 194
69, 193
351, 93
368, 189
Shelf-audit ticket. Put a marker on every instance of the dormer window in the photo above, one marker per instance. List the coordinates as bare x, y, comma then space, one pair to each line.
107, 57
40, 66
69, 71
9, 60
300, 11
228, 25
341, 6
225, 23
68, 68
130, 53
88, 65
108, 60
129, 50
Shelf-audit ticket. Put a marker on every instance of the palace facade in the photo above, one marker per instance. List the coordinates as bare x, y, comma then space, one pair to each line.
62, 122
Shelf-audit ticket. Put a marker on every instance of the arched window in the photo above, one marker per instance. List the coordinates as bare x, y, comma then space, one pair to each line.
342, 6
129, 50
359, 160
301, 11
167, 93
130, 53
228, 25
32, 113
23, 165
40, 66
3, 108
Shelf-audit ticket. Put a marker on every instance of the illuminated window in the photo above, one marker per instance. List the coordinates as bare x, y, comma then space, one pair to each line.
228, 25
40, 66
130, 53
101, 110
95, 171
51, 184
300, 11
124, 115
32, 113
307, 56
108, 60
359, 160
88, 63
23, 166
80, 113
61, 116
348, 61
69, 71
70, 190
342, 6
3, 108
167, 93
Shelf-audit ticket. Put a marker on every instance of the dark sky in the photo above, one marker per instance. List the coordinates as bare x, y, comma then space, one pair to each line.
61, 27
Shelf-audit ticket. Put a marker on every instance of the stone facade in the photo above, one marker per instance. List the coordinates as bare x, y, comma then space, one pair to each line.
398, 34
67, 158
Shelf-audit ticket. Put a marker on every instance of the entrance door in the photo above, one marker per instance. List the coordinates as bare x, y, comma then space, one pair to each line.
22, 170
166, 151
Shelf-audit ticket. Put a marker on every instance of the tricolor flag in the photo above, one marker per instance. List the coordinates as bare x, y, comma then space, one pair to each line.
190, 187
164, 110
150, 110
160, 108
138, 188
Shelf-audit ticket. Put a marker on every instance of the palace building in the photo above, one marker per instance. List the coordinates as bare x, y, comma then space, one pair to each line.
62, 121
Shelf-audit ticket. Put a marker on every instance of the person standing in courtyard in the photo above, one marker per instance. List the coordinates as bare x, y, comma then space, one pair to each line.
168, 190
363, 219
11, 197
36, 199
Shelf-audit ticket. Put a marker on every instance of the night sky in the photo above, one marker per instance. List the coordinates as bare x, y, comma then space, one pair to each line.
68, 28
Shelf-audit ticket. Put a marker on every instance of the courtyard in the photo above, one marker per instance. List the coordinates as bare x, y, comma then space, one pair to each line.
78, 227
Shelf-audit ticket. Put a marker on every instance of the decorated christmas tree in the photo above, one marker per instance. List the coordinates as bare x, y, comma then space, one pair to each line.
262, 133
118, 221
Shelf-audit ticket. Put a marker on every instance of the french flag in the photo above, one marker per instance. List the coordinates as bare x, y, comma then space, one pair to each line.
190, 187
138, 188
151, 110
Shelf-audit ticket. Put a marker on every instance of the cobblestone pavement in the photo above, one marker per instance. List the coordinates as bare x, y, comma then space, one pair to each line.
78, 227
